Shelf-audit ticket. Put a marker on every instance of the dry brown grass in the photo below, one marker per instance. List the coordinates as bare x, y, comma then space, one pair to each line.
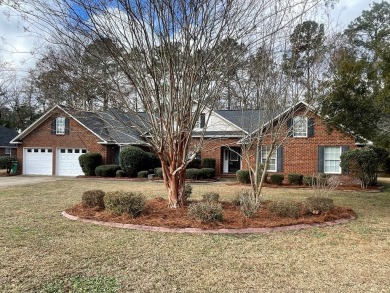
38, 246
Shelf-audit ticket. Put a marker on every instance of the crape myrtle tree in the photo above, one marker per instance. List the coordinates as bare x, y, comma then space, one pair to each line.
166, 50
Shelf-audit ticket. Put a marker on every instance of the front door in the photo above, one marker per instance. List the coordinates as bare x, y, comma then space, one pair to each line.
231, 160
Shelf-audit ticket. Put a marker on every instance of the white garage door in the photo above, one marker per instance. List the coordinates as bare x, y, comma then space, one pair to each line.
68, 162
38, 161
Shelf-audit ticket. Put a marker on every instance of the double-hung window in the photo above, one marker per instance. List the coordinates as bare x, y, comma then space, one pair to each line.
60, 125
272, 165
332, 160
7, 152
300, 126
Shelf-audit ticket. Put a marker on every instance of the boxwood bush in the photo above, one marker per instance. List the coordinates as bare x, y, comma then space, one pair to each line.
277, 179
318, 205
132, 160
194, 164
243, 176
120, 202
295, 179
93, 198
158, 172
120, 173
206, 173
107, 170
89, 161
208, 163
285, 208
206, 212
142, 174
192, 173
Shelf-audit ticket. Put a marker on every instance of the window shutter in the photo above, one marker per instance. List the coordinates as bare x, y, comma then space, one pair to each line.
290, 127
344, 149
202, 120
321, 150
310, 127
279, 159
66, 125
53, 127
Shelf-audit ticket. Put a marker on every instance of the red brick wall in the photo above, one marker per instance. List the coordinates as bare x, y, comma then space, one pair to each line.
13, 152
78, 137
300, 155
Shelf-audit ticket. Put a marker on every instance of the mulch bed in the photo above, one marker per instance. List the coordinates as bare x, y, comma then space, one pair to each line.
158, 214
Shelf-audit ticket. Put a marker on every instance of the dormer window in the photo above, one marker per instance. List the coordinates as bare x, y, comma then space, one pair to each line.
300, 126
60, 125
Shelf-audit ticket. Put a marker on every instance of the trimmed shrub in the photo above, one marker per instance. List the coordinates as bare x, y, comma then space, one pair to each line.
363, 163
248, 204
158, 172
153, 161
295, 179
206, 212
208, 163
194, 164
243, 176
318, 205
187, 191
133, 159
210, 196
120, 202
89, 161
107, 170
142, 174
6, 162
120, 173
192, 173
93, 198
285, 209
206, 173
277, 179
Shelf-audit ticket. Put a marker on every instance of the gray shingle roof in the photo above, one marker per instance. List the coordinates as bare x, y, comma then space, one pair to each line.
247, 120
6, 135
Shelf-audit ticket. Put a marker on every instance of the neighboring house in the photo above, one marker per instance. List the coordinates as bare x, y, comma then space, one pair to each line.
6, 148
53, 143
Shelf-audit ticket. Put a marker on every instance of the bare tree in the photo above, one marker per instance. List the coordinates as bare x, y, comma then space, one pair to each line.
165, 49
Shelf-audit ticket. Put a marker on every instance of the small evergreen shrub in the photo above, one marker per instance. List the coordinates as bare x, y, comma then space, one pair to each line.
318, 205
6, 162
243, 176
249, 205
153, 161
142, 174
89, 161
133, 159
93, 198
295, 179
210, 196
206, 212
120, 202
107, 170
194, 164
277, 179
192, 174
120, 173
206, 173
158, 172
208, 163
187, 191
285, 209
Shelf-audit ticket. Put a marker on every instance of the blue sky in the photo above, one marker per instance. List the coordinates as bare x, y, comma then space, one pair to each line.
17, 46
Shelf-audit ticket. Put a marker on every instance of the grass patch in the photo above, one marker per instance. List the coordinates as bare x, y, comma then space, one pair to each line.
39, 247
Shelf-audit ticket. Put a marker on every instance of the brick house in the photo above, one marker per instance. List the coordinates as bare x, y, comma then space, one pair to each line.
6, 148
52, 144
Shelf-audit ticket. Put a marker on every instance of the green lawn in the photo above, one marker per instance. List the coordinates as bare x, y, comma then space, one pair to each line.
40, 251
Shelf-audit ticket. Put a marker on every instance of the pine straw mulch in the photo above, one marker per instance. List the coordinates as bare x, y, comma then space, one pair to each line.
157, 213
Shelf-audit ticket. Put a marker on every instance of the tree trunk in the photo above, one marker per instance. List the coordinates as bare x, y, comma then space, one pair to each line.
174, 184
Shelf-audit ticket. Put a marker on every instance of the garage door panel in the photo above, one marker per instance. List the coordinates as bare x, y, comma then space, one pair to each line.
68, 162
38, 161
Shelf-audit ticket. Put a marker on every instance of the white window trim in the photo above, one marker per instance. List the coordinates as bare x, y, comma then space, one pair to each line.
293, 130
61, 120
263, 159
7, 152
340, 171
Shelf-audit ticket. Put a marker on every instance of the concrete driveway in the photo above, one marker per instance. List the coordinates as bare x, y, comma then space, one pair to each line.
9, 181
